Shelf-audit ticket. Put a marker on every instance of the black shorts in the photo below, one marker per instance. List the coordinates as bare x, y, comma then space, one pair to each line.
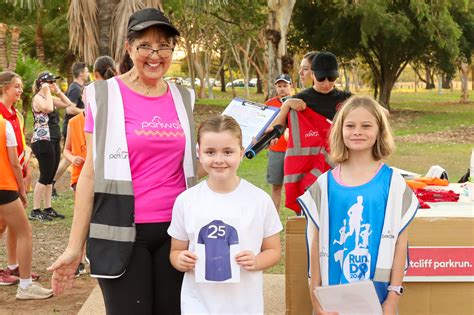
7, 196
48, 154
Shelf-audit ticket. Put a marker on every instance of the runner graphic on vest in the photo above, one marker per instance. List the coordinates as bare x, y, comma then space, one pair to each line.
356, 264
217, 238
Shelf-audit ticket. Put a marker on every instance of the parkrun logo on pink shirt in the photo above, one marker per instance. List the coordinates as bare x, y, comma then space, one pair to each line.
118, 155
157, 123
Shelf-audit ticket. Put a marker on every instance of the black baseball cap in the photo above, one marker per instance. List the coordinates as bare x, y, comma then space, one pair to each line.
47, 77
147, 17
325, 65
283, 77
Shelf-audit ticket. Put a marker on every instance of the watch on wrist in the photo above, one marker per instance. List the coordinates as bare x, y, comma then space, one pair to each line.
398, 289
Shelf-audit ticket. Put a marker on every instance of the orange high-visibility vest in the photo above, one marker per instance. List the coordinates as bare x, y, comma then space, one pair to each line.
7, 180
78, 143
306, 156
20, 135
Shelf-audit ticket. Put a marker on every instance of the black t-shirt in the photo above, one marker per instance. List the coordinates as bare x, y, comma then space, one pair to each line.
53, 124
323, 104
74, 95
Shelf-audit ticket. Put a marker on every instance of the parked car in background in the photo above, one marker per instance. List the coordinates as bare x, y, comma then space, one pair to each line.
236, 83
253, 82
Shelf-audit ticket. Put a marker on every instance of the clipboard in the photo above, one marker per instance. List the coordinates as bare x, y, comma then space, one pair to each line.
252, 117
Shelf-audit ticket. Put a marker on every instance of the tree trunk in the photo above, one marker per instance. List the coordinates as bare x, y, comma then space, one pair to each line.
429, 78
446, 84
3, 47
234, 94
386, 91
222, 75
247, 68
15, 48
259, 84
355, 76
472, 76
105, 10
207, 62
200, 74
347, 80
464, 74
39, 38
279, 15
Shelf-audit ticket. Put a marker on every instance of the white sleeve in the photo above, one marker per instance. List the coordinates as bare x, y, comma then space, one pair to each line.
177, 229
272, 223
11, 139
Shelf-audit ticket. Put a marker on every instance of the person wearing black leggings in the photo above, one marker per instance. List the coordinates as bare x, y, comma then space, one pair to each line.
45, 141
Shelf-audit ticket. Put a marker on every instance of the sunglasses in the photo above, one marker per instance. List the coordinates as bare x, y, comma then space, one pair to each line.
330, 79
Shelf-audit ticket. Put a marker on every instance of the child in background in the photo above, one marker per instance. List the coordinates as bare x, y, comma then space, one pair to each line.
12, 210
358, 212
238, 213
276, 152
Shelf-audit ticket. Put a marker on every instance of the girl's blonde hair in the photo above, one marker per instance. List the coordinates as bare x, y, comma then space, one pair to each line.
6, 78
220, 123
384, 144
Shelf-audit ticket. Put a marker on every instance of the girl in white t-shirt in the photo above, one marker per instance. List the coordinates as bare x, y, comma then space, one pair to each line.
225, 231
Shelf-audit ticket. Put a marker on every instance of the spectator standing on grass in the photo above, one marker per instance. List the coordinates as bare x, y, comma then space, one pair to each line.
12, 212
80, 73
75, 148
143, 130
11, 89
45, 141
276, 152
309, 114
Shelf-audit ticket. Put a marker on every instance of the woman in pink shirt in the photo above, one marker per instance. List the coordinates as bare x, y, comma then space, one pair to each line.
126, 193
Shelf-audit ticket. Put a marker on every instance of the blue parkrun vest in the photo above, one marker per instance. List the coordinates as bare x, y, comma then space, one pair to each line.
355, 225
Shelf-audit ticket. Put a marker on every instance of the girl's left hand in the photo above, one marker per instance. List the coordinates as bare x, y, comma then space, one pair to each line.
54, 88
247, 259
389, 307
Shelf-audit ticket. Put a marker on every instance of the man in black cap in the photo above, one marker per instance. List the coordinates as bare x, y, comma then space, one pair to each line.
308, 128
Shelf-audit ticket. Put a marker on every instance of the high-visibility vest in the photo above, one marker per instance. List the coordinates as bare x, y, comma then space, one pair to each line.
78, 143
306, 156
112, 227
21, 136
7, 180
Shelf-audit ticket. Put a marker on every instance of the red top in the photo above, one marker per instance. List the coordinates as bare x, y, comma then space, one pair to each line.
280, 146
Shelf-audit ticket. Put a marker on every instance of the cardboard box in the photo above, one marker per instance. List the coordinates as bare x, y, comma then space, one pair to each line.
420, 297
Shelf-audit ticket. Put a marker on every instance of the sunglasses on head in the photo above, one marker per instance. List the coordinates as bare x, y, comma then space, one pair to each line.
322, 79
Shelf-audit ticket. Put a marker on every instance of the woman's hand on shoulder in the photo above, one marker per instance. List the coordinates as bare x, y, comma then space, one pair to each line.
186, 260
295, 103
247, 259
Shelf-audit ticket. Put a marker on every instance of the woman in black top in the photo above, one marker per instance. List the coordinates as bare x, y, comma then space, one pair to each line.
45, 141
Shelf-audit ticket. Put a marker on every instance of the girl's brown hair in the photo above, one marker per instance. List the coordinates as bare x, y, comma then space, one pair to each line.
220, 123
384, 144
6, 78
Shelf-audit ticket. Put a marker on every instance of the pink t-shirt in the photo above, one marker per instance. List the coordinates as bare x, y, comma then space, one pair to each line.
336, 173
156, 144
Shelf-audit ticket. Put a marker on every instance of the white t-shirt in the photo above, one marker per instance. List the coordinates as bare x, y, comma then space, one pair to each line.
247, 211
11, 139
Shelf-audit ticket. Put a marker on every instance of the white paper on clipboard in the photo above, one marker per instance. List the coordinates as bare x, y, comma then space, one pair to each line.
252, 117
352, 298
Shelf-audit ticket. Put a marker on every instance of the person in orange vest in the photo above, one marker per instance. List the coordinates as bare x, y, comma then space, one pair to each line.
12, 210
11, 89
276, 152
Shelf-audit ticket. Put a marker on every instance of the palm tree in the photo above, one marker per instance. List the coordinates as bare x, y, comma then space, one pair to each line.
90, 26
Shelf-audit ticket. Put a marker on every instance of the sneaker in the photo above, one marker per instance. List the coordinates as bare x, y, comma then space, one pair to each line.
6, 279
16, 273
53, 213
81, 269
34, 292
36, 214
